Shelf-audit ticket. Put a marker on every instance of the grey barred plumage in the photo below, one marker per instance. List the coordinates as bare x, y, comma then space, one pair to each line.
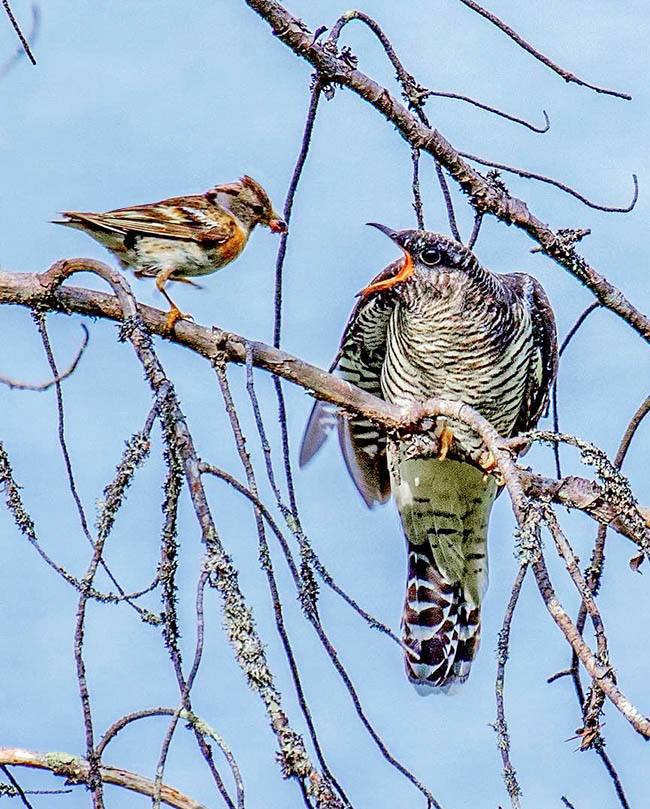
439, 324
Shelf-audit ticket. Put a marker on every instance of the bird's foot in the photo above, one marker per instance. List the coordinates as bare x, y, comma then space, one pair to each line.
446, 437
489, 465
173, 316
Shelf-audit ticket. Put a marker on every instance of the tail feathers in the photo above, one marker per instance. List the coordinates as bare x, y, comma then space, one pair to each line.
440, 627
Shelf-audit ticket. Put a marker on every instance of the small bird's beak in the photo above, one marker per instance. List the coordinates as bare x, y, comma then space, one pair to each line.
392, 234
278, 225
405, 271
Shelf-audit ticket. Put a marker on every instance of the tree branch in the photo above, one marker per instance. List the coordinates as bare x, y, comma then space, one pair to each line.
29, 289
77, 770
486, 197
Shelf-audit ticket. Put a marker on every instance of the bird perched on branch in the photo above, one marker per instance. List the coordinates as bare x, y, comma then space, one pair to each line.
436, 323
182, 237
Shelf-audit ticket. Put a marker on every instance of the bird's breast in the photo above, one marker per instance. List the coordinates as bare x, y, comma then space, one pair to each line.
475, 354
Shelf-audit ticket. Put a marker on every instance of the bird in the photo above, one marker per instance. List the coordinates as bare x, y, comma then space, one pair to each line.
437, 323
181, 237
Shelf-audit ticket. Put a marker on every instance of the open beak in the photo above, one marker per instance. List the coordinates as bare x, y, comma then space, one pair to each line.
392, 234
278, 225
405, 271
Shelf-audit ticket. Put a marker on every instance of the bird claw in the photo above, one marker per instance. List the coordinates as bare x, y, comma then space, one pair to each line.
173, 316
446, 438
489, 465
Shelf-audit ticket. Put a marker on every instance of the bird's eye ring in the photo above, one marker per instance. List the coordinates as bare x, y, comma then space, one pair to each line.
430, 255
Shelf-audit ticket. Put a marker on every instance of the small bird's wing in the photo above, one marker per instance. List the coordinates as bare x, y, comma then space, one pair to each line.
544, 357
359, 361
190, 218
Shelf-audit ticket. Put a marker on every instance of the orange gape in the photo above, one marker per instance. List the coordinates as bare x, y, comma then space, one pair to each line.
406, 270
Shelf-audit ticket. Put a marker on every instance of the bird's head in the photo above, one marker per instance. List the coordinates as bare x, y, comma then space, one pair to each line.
424, 253
249, 202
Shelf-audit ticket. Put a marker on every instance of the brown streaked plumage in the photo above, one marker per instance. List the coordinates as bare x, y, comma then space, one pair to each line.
436, 323
181, 237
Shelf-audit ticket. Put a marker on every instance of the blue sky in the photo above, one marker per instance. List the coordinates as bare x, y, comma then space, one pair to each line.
135, 102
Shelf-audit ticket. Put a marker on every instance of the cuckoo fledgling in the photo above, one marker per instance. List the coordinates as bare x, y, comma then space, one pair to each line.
437, 323
182, 237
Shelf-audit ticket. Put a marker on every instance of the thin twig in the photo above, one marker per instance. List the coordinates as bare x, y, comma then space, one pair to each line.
412, 92
42, 386
19, 53
19, 33
451, 215
478, 221
495, 111
95, 783
415, 187
279, 266
556, 419
288, 204
531, 175
501, 726
568, 77
19, 790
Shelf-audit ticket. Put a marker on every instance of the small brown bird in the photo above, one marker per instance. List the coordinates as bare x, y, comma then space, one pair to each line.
181, 237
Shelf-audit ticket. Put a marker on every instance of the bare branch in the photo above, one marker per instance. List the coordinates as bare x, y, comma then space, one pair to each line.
27, 289
485, 196
288, 204
415, 187
501, 726
42, 386
19, 33
494, 110
568, 77
531, 175
78, 770
244, 639
478, 221
554, 395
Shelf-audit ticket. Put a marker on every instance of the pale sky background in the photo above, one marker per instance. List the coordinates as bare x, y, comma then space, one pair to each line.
134, 102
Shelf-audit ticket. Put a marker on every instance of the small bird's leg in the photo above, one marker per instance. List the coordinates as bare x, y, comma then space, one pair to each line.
446, 437
174, 314
188, 281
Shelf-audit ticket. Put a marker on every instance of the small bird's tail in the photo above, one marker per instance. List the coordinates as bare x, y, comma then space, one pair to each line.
441, 629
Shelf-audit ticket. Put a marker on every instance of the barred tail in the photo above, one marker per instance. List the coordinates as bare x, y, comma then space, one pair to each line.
441, 629
445, 507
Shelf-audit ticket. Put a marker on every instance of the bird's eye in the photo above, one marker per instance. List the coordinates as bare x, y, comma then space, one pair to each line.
258, 210
430, 255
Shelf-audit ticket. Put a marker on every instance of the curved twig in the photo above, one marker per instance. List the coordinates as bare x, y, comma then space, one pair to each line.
42, 386
531, 175
539, 129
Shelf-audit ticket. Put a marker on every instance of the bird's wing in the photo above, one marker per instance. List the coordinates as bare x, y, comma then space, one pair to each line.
359, 360
190, 218
544, 358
